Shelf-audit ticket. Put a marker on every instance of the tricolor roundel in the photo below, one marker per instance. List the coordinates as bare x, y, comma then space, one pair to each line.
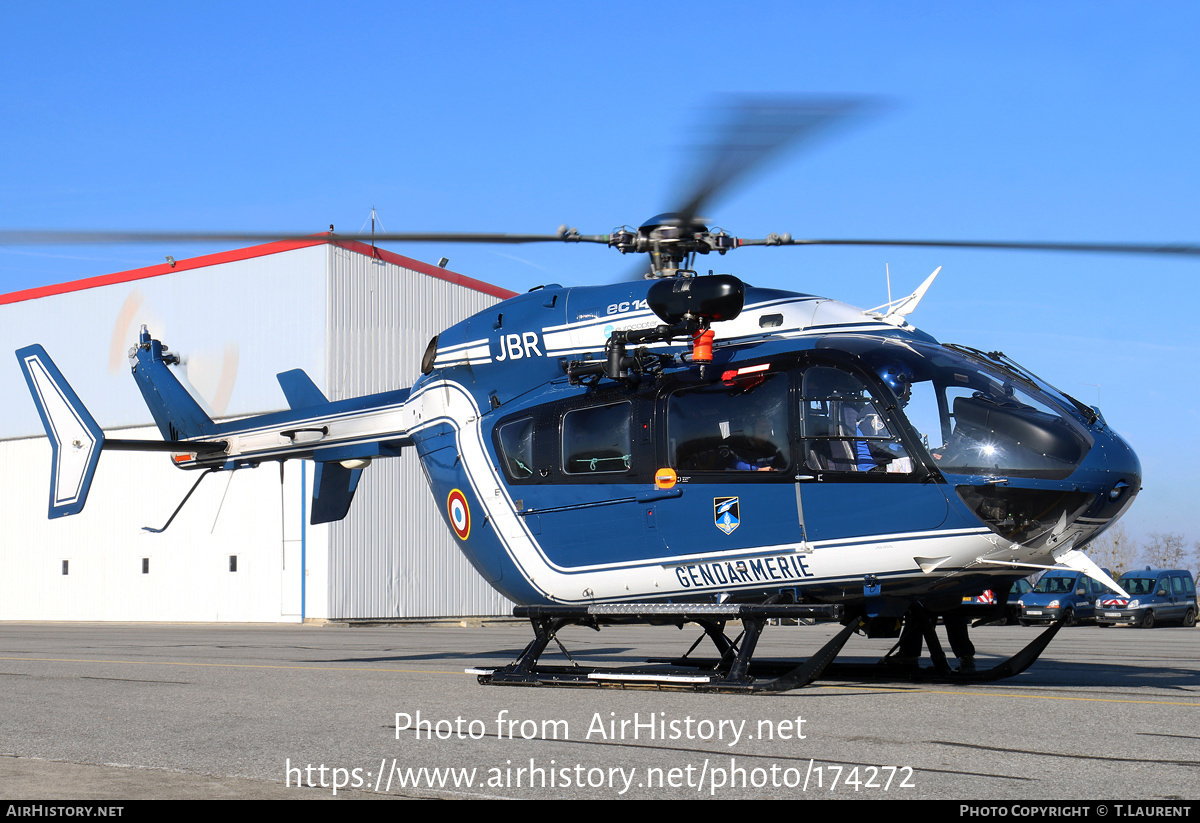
460, 514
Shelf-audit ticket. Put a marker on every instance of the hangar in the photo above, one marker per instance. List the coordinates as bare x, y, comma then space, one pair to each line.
356, 319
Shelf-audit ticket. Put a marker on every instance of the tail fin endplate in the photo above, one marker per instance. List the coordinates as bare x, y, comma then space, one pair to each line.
75, 438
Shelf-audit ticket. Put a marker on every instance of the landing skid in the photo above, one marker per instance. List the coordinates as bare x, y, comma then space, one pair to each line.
734, 672
940, 671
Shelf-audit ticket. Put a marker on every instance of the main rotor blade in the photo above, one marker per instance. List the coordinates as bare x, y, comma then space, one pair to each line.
37, 237
1180, 249
754, 131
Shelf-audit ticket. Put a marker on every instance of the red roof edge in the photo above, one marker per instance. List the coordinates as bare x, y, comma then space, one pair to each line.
424, 268
249, 254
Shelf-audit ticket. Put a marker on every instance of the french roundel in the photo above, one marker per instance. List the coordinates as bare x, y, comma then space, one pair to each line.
460, 514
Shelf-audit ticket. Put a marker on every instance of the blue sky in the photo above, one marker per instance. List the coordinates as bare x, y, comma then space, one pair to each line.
1021, 121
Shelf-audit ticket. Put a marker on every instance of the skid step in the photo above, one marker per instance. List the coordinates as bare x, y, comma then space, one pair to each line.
686, 612
567, 673
633, 677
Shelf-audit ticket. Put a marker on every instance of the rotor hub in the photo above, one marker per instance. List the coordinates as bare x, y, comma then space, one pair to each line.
672, 241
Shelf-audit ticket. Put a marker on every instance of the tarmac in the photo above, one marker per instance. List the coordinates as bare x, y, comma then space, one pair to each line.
122, 712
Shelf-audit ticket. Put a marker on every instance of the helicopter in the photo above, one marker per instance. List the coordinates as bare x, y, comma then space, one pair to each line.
686, 448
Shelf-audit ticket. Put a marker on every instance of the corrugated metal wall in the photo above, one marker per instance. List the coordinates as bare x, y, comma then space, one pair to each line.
393, 555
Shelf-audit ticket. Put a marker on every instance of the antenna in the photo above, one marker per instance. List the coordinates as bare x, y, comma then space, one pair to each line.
888, 271
896, 311
373, 218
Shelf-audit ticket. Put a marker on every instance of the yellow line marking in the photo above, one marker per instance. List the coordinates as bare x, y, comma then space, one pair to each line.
226, 665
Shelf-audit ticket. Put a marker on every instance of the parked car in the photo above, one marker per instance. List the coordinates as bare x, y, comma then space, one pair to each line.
1059, 592
1156, 596
983, 604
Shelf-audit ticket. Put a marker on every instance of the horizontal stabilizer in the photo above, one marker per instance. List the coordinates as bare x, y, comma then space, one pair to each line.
299, 389
75, 439
333, 489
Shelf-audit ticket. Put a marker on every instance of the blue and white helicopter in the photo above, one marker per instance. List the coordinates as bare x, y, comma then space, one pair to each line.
688, 448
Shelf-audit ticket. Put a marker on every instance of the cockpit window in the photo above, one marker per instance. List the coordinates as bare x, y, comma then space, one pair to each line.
1002, 430
597, 440
976, 418
739, 425
843, 428
516, 446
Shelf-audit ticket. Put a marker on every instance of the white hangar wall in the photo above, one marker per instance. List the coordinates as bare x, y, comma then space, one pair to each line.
356, 320
101, 564
236, 321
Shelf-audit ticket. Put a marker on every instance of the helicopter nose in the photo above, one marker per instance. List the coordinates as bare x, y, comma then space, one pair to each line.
1119, 482
1124, 471
1038, 515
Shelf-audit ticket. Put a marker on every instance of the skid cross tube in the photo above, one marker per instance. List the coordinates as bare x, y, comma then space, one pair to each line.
734, 671
545, 629
738, 672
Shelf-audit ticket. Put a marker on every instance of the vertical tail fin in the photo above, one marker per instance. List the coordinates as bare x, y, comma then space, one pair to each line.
75, 438
333, 490
176, 412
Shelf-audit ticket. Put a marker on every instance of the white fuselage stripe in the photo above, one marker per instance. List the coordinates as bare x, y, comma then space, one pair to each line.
448, 403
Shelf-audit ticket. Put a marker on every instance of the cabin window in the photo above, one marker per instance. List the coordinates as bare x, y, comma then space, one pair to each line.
738, 425
843, 428
597, 440
516, 447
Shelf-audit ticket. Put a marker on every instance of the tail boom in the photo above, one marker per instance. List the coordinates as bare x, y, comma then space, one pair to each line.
342, 437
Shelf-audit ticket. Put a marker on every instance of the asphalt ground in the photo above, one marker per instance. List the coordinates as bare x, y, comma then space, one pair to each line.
151, 711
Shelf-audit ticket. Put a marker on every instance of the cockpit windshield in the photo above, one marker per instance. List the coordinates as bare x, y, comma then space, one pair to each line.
977, 418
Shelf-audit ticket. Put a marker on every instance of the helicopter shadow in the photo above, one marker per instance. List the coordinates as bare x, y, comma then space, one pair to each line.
1126, 677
